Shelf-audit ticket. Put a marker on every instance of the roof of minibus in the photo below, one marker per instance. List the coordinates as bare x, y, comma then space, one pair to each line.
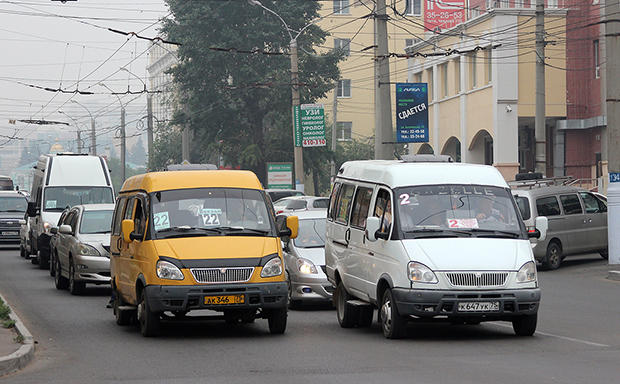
398, 173
168, 180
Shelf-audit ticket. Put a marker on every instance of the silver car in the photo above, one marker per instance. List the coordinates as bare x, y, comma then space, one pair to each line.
304, 257
300, 203
81, 249
577, 221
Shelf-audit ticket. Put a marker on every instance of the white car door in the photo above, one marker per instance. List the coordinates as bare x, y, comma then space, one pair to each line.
359, 262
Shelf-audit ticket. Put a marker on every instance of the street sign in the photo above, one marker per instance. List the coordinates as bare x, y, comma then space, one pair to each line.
280, 175
412, 112
309, 125
614, 177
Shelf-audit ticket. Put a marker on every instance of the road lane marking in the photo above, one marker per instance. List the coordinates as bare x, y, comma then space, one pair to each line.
560, 337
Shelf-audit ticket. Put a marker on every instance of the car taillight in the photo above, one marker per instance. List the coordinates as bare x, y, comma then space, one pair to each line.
531, 229
279, 212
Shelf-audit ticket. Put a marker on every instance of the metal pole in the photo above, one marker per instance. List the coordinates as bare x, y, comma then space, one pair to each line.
123, 145
149, 128
612, 47
93, 138
334, 132
540, 120
383, 100
299, 159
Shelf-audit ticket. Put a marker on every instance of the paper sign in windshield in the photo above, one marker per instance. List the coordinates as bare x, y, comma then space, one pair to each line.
161, 220
50, 204
463, 223
211, 216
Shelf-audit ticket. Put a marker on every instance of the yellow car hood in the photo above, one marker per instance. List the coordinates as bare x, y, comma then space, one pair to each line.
217, 247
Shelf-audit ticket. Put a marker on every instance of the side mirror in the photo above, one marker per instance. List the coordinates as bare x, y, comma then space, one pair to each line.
54, 230
65, 229
372, 227
127, 227
292, 223
542, 225
32, 209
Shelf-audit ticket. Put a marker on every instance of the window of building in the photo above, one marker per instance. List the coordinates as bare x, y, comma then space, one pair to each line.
341, 7
552, 3
488, 59
417, 78
344, 45
597, 64
344, 130
344, 88
473, 75
443, 72
457, 75
413, 41
413, 7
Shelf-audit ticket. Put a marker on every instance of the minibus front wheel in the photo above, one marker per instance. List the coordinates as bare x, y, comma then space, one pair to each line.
149, 321
277, 321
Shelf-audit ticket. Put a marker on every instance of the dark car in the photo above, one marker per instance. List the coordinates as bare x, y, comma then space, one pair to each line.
12, 210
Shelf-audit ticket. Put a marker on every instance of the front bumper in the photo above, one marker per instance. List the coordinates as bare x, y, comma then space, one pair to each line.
185, 298
310, 288
93, 269
427, 303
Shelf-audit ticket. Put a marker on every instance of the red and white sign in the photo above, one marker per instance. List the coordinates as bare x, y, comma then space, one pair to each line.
463, 223
314, 142
444, 14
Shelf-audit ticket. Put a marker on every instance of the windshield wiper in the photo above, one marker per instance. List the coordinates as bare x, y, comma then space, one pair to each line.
311, 246
437, 232
54, 209
93, 233
494, 233
13, 210
243, 229
187, 228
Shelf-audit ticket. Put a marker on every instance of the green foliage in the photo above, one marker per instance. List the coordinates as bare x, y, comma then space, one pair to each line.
238, 105
8, 323
166, 148
4, 311
114, 165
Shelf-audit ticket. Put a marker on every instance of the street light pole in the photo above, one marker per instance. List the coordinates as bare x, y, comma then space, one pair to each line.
93, 137
123, 135
79, 137
149, 115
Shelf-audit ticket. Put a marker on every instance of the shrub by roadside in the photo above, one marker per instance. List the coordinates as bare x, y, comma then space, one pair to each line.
5, 320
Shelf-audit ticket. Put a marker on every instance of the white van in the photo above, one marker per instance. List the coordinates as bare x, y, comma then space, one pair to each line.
60, 181
429, 240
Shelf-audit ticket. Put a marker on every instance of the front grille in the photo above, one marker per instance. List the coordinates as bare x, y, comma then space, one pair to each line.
222, 275
10, 223
477, 279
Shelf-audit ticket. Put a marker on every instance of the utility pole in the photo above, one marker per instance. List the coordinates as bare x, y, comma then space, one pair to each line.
383, 100
185, 136
334, 132
93, 138
123, 145
297, 151
612, 47
79, 141
540, 120
149, 127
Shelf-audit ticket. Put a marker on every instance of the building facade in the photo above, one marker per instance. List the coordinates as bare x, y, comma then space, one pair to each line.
162, 57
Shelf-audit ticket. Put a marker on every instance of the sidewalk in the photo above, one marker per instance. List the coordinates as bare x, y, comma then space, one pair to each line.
14, 355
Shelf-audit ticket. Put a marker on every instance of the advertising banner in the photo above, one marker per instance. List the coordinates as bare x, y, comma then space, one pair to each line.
309, 125
440, 15
280, 175
412, 112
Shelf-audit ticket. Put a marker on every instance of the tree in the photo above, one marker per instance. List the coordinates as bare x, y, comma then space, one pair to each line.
114, 165
240, 103
137, 153
166, 148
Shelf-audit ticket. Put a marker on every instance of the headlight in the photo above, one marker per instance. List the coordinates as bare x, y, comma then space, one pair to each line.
420, 273
87, 250
527, 273
167, 270
306, 266
272, 268
46, 227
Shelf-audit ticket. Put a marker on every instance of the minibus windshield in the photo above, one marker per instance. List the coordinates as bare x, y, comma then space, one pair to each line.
59, 198
210, 211
482, 211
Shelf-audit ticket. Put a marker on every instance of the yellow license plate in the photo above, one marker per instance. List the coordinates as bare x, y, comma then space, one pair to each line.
223, 300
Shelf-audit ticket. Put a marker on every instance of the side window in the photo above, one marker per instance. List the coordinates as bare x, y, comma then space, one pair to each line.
320, 203
547, 206
344, 203
524, 206
138, 219
332, 201
61, 219
129, 210
296, 204
118, 216
590, 203
571, 204
360, 207
74, 219
383, 210
68, 218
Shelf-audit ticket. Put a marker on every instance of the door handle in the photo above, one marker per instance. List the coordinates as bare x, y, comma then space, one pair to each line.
371, 253
347, 235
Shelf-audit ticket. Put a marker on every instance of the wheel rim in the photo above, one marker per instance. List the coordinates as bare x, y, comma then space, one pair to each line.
141, 312
386, 315
554, 256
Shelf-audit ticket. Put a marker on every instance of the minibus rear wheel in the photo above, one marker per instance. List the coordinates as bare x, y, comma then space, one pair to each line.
344, 311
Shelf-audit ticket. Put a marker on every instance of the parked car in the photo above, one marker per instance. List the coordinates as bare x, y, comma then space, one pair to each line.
429, 240
82, 246
297, 203
577, 221
277, 194
12, 209
304, 258
60, 181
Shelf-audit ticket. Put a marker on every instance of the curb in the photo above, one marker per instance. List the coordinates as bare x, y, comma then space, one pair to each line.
614, 275
20, 358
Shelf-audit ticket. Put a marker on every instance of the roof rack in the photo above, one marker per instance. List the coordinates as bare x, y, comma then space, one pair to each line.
191, 167
425, 158
541, 182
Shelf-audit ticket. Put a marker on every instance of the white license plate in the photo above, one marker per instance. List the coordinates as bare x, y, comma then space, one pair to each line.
10, 233
479, 306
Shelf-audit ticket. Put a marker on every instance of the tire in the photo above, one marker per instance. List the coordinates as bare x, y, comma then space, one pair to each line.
393, 324
148, 321
122, 317
346, 317
34, 260
553, 259
60, 281
292, 304
277, 321
365, 317
44, 261
52, 265
604, 253
75, 287
22, 251
525, 325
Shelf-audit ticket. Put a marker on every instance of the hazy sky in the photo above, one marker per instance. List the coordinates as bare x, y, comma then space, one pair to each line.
50, 44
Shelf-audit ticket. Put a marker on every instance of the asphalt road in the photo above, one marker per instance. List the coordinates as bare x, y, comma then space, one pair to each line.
578, 341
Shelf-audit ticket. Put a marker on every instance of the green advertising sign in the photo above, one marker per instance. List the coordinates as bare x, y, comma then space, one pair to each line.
280, 175
309, 125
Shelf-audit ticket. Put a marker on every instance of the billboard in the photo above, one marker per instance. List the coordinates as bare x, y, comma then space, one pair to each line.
309, 125
444, 14
280, 175
412, 112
